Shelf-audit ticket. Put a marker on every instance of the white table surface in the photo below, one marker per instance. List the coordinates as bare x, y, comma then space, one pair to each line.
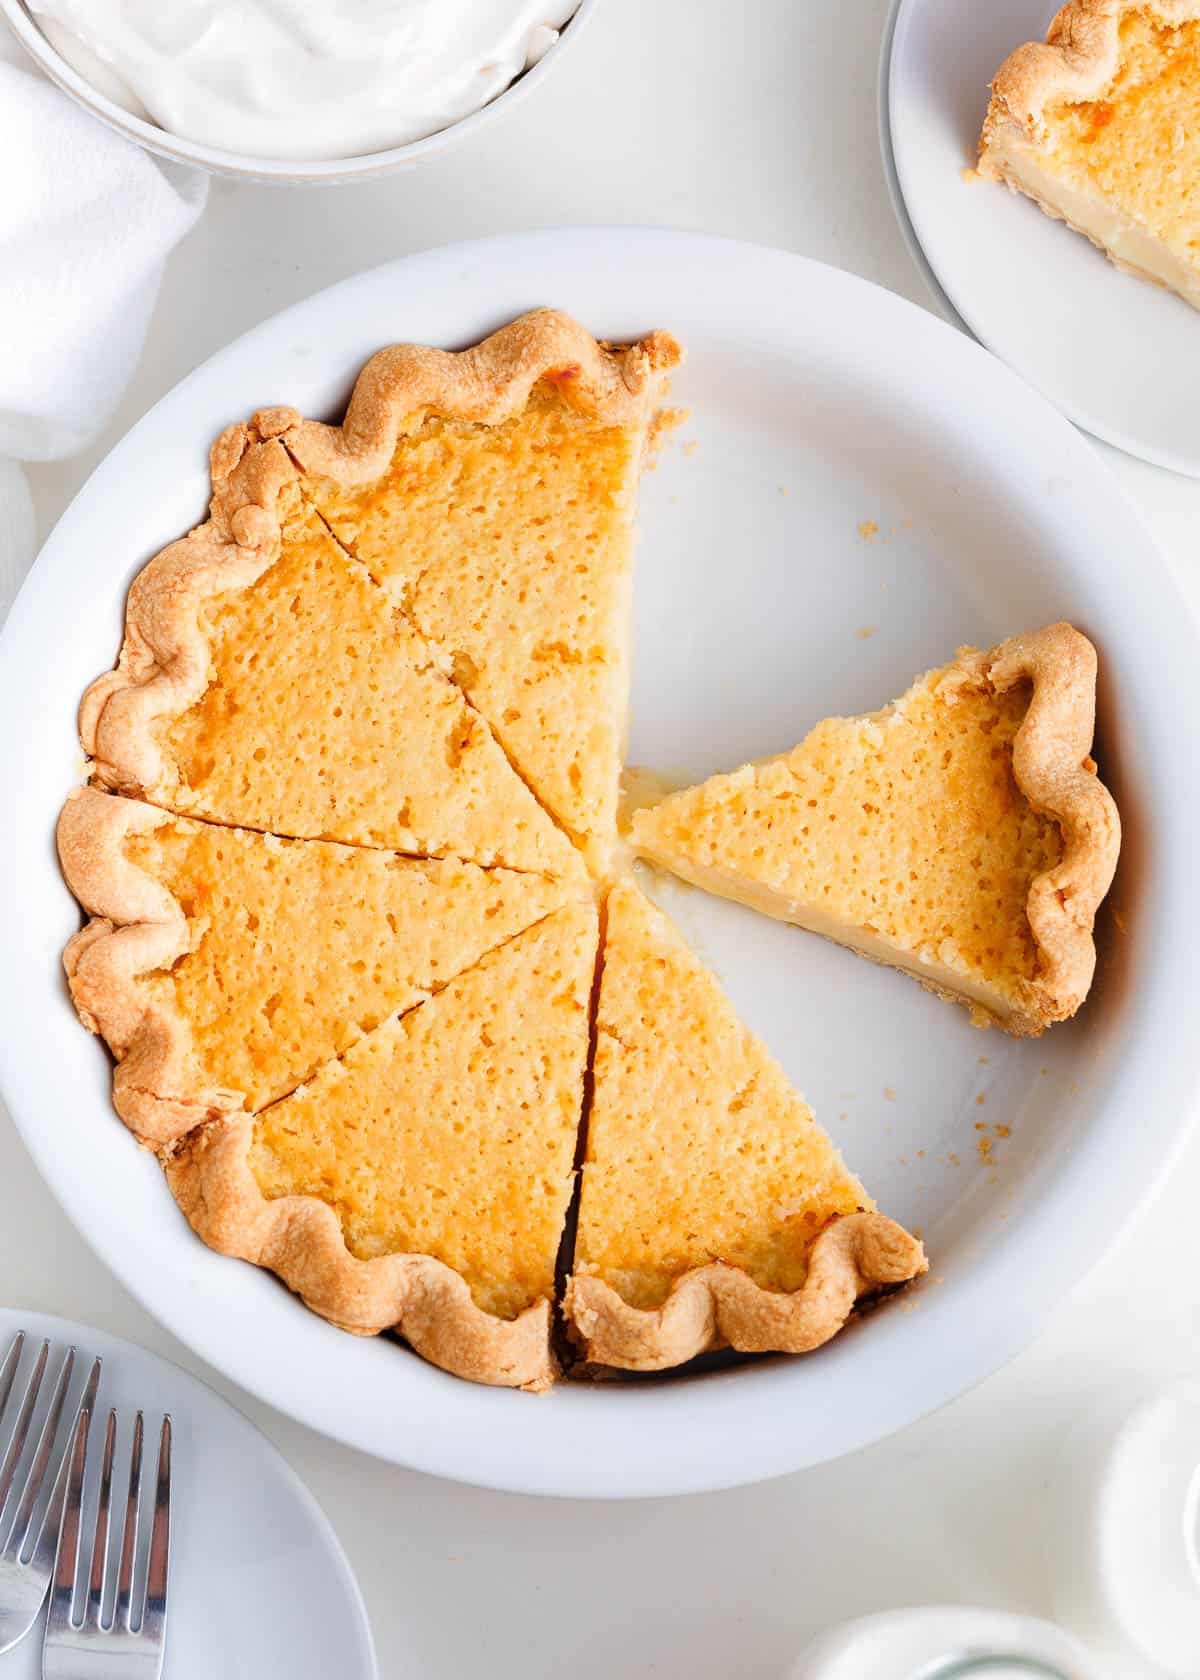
758, 121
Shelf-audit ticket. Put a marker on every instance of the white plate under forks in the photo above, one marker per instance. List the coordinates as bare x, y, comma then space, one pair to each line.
260, 1588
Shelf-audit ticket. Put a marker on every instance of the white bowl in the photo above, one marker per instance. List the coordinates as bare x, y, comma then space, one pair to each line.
820, 405
287, 171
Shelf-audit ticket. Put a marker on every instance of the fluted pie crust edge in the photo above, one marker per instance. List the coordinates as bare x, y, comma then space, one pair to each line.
719, 1306
162, 668
300, 1239
136, 927
1053, 768
1075, 62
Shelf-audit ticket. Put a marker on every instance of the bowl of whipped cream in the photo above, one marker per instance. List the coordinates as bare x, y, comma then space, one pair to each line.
296, 90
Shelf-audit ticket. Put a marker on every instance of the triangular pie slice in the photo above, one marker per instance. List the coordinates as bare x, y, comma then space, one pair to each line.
1100, 126
493, 492
961, 834
266, 681
420, 1183
714, 1210
223, 966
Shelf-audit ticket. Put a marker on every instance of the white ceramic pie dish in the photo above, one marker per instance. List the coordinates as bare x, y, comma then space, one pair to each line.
286, 171
859, 466
1116, 354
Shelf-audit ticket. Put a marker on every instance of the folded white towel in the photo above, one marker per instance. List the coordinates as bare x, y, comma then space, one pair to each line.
87, 221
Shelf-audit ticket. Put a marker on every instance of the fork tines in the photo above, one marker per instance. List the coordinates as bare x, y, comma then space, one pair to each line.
27, 1545
134, 1630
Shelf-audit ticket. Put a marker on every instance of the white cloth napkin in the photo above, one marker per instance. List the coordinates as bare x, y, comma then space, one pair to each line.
87, 220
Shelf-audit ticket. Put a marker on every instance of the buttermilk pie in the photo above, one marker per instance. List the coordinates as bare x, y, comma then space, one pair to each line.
420, 1182
714, 1212
223, 966
961, 834
1100, 126
376, 995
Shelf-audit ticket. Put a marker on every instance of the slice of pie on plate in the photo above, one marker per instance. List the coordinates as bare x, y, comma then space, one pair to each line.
267, 682
961, 834
223, 966
493, 493
420, 1182
1100, 126
714, 1210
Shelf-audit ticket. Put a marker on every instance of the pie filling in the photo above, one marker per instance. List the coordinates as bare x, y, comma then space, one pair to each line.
902, 835
868, 942
698, 1148
326, 717
1130, 243
317, 942
451, 1130
1123, 167
510, 546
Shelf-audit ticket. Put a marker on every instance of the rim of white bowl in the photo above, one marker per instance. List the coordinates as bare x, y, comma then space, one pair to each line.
215, 160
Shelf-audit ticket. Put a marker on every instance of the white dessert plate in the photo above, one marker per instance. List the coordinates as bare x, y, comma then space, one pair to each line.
1115, 354
860, 489
260, 1587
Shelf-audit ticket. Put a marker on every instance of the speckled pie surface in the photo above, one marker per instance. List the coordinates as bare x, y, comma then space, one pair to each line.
359, 941
1100, 126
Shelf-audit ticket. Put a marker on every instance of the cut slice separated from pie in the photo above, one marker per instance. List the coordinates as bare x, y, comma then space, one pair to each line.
420, 1183
714, 1210
492, 492
1100, 126
223, 966
266, 681
960, 834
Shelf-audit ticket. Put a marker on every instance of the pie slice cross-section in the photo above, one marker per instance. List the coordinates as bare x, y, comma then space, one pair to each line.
1100, 126
267, 682
420, 1183
223, 966
961, 834
493, 493
714, 1210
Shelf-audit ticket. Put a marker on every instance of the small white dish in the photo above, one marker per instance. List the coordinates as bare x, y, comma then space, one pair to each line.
260, 1585
867, 490
287, 171
1116, 354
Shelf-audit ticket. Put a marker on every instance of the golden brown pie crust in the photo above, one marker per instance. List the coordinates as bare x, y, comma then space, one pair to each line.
1053, 769
163, 665
136, 928
400, 386
1076, 61
299, 1239
718, 1306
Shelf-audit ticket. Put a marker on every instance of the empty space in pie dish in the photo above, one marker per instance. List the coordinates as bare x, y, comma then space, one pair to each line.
867, 491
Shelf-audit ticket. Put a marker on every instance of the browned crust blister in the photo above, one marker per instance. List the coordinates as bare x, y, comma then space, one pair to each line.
1053, 769
718, 1306
137, 928
300, 1239
1076, 62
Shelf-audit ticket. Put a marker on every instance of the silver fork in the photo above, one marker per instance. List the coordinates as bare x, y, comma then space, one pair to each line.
27, 1547
129, 1646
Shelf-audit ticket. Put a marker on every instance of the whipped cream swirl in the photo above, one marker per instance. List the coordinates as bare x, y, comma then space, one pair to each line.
302, 79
